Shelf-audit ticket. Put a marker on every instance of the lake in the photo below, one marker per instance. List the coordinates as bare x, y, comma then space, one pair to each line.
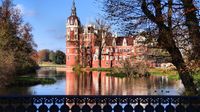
98, 83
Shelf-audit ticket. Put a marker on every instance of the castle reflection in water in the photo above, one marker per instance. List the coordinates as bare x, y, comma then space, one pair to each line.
98, 83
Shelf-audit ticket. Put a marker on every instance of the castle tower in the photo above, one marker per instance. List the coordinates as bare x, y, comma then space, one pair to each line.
72, 38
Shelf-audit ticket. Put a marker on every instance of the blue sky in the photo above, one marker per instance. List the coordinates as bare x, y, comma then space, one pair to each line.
48, 19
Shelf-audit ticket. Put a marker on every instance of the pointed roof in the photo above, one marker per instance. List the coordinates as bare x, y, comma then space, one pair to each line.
73, 18
120, 40
73, 9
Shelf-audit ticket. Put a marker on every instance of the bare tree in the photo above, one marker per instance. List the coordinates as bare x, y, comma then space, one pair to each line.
102, 34
192, 22
156, 17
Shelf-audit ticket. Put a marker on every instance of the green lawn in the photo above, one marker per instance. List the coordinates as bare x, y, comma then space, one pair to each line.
171, 74
51, 65
101, 69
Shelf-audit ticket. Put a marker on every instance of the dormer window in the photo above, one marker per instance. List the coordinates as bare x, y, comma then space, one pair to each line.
114, 42
124, 42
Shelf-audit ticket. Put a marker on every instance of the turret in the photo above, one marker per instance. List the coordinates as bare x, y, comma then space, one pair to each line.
72, 38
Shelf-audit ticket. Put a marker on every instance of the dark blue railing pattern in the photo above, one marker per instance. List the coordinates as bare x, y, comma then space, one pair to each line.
100, 104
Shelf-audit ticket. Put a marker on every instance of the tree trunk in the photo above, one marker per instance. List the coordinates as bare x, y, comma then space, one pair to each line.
99, 83
99, 56
167, 42
193, 27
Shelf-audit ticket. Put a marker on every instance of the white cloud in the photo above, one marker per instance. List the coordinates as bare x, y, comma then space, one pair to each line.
25, 11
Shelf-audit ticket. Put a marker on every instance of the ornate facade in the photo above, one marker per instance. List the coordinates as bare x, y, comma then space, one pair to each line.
81, 48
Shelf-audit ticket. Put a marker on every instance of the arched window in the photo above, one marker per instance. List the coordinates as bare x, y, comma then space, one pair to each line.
107, 50
68, 37
76, 37
116, 58
107, 57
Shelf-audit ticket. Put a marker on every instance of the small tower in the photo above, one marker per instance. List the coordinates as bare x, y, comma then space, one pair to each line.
72, 38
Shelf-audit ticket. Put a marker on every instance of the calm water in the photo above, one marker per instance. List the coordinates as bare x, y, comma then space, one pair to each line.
96, 83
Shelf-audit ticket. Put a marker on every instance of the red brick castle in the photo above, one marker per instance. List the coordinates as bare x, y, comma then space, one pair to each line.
81, 48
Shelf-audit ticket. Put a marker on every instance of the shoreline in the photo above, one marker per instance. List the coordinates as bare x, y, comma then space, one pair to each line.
60, 68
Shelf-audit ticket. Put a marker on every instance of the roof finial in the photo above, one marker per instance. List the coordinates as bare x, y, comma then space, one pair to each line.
73, 8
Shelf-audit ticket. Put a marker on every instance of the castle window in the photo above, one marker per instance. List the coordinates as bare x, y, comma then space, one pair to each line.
124, 57
116, 50
107, 63
67, 50
120, 50
107, 57
97, 51
95, 58
68, 37
116, 57
102, 57
111, 50
76, 37
111, 58
71, 22
120, 57
107, 51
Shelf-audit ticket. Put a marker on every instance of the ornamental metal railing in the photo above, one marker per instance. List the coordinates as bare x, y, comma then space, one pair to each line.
100, 104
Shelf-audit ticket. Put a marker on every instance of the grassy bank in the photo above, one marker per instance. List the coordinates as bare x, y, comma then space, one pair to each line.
171, 74
101, 69
51, 65
31, 81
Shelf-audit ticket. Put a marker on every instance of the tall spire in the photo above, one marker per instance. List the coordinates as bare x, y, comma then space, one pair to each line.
73, 8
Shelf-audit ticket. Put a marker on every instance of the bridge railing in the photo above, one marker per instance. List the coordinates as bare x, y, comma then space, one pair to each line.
100, 104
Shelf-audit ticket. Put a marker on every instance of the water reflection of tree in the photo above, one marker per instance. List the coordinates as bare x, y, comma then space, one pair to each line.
99, 83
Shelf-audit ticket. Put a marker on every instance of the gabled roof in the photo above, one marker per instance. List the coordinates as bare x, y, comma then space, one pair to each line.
129, 40
119, 41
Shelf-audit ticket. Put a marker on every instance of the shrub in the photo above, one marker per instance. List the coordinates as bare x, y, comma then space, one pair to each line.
77, 68
130, 68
